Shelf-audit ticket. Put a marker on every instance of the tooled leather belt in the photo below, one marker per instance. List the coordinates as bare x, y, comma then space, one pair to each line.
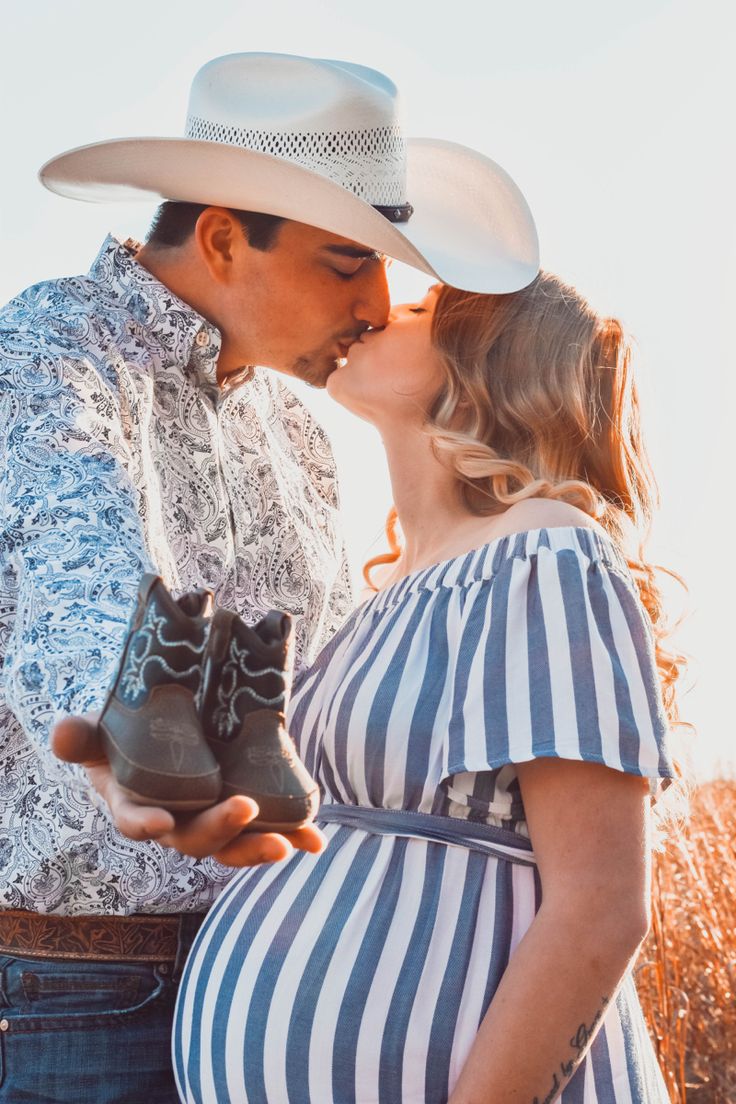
141, 938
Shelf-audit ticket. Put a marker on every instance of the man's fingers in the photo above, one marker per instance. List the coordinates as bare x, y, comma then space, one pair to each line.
206, 833
77, 740
138, 822
252, 848
308, 838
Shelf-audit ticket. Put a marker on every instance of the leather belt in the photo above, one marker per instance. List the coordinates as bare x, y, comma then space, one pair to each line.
141, 938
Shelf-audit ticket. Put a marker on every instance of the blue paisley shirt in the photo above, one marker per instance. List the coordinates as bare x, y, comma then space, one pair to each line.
122, 455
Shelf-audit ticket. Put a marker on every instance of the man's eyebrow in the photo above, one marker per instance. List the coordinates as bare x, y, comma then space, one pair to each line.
355, 251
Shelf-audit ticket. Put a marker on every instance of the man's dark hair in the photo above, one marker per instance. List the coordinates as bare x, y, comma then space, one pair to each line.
174, 223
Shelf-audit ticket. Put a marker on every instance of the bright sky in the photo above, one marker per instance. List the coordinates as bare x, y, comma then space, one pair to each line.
615, 119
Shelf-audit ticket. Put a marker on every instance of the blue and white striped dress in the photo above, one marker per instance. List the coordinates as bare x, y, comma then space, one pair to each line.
361, 975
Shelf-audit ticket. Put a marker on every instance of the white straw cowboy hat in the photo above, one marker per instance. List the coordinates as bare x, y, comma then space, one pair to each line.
320, 142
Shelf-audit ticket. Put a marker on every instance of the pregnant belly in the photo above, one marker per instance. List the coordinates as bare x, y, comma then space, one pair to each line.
356, 975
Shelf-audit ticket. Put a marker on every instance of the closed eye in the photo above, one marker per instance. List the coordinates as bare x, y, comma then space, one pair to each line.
418, 310
355, 260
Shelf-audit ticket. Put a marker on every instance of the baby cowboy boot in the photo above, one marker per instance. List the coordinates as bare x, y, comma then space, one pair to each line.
247, 680
150, 723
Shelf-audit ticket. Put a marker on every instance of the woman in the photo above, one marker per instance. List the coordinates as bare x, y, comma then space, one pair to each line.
487, 729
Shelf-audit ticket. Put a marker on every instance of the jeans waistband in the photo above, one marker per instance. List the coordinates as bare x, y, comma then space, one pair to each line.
140, 938
487, 839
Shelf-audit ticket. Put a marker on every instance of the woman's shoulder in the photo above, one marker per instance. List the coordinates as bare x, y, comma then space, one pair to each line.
538, 525
545, 513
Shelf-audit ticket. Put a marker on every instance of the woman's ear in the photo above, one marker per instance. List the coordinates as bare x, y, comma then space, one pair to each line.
463, 411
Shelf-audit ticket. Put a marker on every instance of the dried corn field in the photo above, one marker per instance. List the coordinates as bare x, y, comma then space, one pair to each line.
687, 967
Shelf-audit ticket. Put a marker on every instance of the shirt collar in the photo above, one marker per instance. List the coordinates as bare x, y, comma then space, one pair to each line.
185, 337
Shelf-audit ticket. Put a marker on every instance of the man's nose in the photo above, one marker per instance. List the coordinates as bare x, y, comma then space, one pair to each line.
374, 302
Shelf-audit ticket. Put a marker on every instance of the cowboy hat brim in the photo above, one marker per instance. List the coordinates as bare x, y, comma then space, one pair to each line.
471, 226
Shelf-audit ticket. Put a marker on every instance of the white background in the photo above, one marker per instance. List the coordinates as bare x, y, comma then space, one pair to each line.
615, 119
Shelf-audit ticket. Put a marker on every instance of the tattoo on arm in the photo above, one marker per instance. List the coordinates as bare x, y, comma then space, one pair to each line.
579, 1042
552, 1092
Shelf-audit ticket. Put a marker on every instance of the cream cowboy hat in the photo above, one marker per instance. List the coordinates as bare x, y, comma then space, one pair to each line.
320, 142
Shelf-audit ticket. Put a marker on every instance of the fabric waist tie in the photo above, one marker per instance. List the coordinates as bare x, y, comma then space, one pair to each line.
489, 840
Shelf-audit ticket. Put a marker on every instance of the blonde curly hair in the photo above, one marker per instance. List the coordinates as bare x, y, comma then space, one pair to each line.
539, 401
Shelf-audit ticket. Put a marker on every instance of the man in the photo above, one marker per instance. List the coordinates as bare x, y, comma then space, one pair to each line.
138, 437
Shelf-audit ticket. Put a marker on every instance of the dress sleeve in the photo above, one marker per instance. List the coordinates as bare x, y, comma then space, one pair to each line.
71, 541
559, 663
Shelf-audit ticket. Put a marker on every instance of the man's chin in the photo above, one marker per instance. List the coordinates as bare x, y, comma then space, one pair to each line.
315, 373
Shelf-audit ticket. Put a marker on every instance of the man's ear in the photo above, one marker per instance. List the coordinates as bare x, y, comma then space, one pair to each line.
218, 237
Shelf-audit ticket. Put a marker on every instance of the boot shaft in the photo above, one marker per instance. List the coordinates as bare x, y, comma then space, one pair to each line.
247, 669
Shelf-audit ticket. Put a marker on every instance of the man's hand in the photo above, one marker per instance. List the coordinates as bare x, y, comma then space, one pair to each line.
217, 831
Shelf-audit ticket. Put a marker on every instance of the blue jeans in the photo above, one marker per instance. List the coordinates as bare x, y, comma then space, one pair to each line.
86, 1032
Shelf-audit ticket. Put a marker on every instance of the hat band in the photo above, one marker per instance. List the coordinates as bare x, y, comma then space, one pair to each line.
370, 163
396, 214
